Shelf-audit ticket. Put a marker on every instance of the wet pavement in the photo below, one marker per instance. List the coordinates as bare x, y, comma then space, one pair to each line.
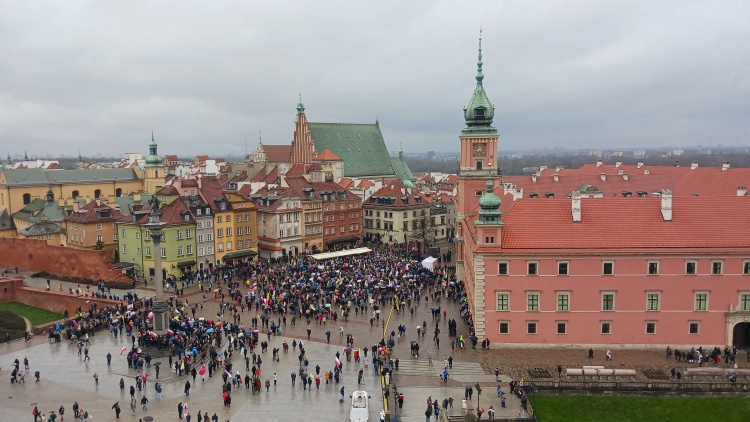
65, 378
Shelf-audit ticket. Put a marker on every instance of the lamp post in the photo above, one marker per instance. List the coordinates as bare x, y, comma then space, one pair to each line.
159, 307
479, 392
533, 405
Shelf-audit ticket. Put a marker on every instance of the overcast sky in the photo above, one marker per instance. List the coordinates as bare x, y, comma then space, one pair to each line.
205, 76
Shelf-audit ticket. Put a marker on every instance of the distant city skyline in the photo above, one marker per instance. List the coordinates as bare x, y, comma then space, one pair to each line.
208, 79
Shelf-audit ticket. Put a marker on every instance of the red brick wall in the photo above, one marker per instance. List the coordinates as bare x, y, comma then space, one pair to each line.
58, 301
37, 256
13, 290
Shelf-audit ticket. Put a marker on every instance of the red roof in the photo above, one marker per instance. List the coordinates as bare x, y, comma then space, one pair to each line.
210, 189
296, 170
88, 214
698, 223
402, 195
346, 183
173, 213
53, 166
278, 153
168, 190
704, 181
327, 155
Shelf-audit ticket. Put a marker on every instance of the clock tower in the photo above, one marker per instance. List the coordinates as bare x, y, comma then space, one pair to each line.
478, 146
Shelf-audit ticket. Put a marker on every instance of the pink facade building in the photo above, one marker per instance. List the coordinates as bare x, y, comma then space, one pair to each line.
587, 268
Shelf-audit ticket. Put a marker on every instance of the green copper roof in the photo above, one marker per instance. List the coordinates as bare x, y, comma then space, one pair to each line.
480, 111
35, 177
153, 158
403, 173
361, 146
489, 204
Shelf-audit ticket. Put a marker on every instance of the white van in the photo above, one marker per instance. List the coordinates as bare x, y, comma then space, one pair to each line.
360, 411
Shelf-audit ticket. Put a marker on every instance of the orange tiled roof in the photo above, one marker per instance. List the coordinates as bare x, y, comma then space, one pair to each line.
88, 214
703, 181
327, 155
698, 223
402, 194
345, 182
278, 153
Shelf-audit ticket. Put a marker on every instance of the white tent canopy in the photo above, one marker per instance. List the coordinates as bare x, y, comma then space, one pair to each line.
429, 262
337, 254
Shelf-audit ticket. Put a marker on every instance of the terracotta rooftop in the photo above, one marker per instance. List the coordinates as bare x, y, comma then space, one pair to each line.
94, 213
328, 155
703, 181
698, 224
278, 153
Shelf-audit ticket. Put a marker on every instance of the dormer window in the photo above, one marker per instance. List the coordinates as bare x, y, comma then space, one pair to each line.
479, 113
223, 206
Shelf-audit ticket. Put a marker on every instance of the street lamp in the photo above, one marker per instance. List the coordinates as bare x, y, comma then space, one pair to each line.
533, 405
159, 307
479, 392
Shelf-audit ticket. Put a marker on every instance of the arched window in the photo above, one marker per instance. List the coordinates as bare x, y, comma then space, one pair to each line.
97, 193
75, 194
118, 192
26, 198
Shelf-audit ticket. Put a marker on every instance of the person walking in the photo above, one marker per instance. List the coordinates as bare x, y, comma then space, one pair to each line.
115, 406
96, 378
133, 405
61, 411
187, 387
86, 356
157, 387
109, 359
122, 384
179, 409
144, 402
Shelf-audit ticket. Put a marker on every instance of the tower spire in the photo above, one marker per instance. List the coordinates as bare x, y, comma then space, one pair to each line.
480, 76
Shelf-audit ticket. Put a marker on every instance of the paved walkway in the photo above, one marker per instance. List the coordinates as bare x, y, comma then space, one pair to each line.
65, 378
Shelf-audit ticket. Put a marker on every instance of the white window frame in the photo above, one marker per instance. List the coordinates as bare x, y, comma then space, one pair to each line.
604, 264
705, 302
567, 299
507, 301
538, 300
695, 267
649, 299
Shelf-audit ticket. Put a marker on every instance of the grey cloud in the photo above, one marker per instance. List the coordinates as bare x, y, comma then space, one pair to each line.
100, 76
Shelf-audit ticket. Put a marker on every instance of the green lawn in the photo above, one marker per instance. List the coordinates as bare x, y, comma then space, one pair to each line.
37, 316
647, 409
12, 324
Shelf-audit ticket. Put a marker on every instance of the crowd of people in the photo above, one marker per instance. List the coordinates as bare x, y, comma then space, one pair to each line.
256, 300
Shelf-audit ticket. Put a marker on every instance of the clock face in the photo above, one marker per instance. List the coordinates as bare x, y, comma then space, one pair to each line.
480, 150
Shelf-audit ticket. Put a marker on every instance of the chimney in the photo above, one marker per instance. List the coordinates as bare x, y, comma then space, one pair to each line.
694, 165
556, 177
576, 206
640, 164
542, 168
533, 177
620, 172
603, 176
625, 176
558, 168
646, 171
742, 191
725, 167
666, 204
618, 163
517, 194
598, 163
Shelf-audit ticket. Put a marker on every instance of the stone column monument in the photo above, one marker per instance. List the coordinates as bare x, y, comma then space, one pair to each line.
159, 308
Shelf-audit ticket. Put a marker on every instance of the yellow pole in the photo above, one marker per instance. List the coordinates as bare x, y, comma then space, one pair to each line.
382, 377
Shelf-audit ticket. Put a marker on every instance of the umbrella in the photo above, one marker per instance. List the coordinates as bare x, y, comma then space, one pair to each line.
210, 330
150, 314
157, 363
148, 419
202, 370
